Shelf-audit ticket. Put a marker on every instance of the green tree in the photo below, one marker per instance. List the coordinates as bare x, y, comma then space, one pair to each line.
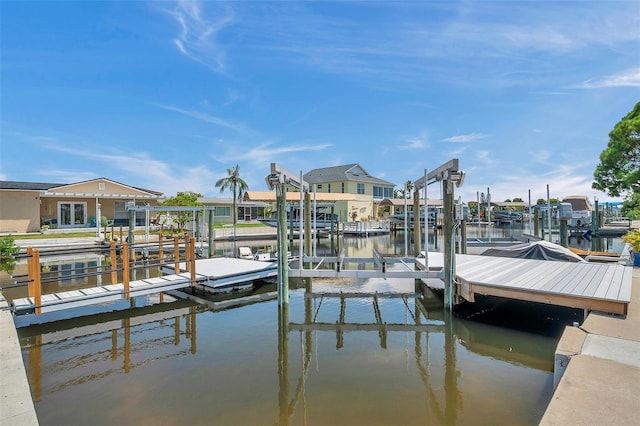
631, 206
408, 188
619, 168
7, 250
183, 199
234, 182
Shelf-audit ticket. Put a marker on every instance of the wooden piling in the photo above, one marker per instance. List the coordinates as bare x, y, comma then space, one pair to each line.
449, 258
192, 261
37, 297
160, 248
283, 265
176, 254
125, 268
114, 262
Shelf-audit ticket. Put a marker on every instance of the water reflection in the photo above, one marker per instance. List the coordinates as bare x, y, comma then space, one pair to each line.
86, 353
339, 354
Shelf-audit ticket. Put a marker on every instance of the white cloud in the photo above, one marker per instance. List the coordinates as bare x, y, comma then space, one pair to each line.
471, 137
197, 38
267, 152
628, 78
208, 118
416, 142
145, 170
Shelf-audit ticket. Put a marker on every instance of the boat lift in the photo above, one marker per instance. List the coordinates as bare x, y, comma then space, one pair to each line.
279, 178
132, 208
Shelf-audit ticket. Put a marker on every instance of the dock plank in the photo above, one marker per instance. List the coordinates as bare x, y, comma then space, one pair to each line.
601, 291
592, 285
625, 291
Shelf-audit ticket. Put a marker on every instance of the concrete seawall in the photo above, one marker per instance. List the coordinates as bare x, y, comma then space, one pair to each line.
597, 369
16, 405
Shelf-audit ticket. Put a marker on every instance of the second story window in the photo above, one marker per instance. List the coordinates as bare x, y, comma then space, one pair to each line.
360, 188
329, 187
343, 187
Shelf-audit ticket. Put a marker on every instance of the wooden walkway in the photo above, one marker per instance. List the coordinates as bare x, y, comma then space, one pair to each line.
212, 273
593, 286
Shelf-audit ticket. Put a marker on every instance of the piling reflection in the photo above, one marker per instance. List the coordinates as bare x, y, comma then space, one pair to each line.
138, 337
437, 337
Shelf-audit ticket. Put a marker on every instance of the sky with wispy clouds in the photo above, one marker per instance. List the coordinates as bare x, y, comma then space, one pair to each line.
169, 95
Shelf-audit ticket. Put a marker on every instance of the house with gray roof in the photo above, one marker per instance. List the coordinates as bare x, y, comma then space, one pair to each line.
349, 179
26, 206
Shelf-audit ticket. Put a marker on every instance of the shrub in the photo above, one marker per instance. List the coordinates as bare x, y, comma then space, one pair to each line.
633, 238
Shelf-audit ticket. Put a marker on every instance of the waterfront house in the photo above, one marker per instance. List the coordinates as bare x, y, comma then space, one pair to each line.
27, 206
348, 207
248, 210
349, 179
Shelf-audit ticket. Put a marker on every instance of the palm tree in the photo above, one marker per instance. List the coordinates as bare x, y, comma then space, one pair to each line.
408, 187
234, 182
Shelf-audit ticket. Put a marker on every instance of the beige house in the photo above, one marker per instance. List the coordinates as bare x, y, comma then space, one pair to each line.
348, 207
26, 206
248, 211
349, 179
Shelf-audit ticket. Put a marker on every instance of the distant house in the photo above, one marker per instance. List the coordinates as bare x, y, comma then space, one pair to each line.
248, 211
347, 206
349, 179
26, 206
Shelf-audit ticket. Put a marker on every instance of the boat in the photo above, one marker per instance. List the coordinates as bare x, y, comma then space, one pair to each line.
365, 228
580, 211
507, 216
398, 219
321, 219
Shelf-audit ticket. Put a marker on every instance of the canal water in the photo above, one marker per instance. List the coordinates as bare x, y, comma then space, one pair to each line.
322, 361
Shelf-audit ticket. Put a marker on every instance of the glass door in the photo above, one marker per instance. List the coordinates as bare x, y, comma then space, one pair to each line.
72, 214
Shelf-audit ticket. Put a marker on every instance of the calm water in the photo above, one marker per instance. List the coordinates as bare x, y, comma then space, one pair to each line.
402, 361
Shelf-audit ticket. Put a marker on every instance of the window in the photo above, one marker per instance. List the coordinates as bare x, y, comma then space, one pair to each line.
360, 188
318, 186
342, 186
223, 211
382, 192
329, 188
101, 186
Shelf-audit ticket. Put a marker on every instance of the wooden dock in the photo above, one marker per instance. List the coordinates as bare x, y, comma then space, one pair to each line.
212, 273
591, 286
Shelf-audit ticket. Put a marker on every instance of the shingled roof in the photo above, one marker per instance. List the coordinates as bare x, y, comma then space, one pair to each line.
28, 186
41, 186
349, 172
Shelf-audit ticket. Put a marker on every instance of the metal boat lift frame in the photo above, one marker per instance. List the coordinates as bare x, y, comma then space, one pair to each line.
279, 178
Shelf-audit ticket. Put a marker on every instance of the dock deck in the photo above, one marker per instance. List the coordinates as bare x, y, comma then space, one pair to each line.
592, 286
213, 273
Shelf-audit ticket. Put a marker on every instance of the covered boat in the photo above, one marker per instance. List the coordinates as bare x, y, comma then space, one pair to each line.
542, 250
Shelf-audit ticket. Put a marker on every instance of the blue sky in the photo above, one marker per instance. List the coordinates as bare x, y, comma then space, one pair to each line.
168, 95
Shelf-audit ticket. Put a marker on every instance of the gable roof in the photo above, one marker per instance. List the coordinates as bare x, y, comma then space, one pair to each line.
27, 186
40, 186
349, 172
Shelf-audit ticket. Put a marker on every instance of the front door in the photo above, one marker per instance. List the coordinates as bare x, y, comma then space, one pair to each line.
72, 214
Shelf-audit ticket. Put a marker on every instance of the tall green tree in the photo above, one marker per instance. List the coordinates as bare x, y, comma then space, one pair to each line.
238, 186
408, 186
619, 170
187, 199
